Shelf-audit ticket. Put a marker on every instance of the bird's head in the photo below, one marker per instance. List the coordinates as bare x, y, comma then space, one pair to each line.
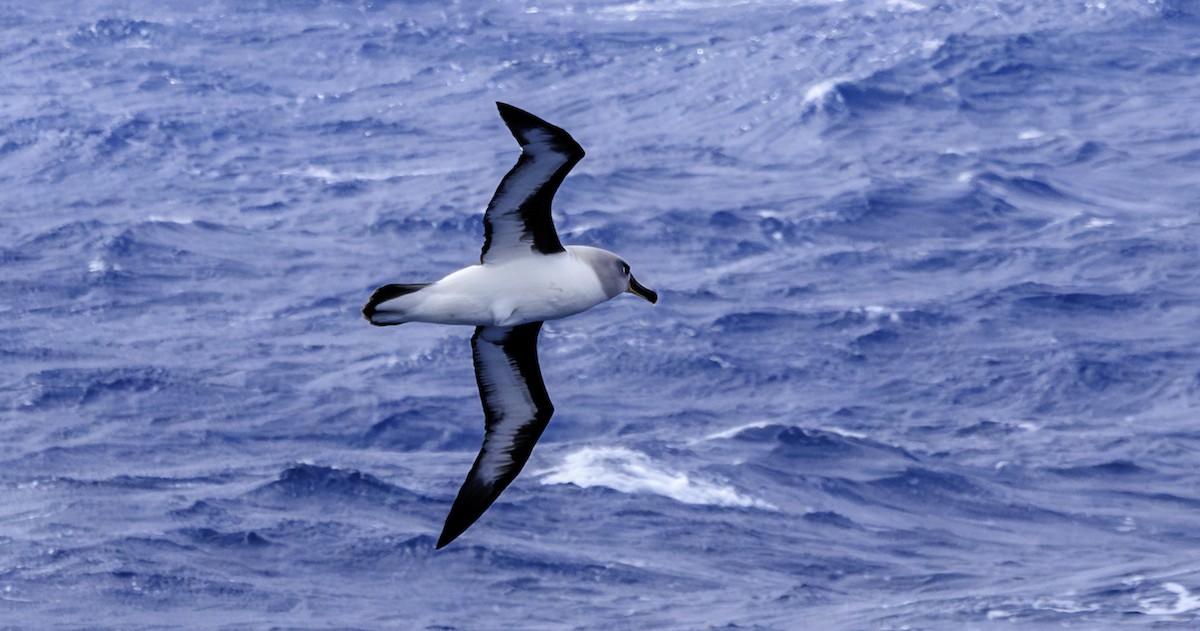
615, 276
634, 287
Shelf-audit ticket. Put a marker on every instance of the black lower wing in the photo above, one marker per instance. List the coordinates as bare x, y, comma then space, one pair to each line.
517, 409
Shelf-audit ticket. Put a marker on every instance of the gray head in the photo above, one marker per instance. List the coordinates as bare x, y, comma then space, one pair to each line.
613, 272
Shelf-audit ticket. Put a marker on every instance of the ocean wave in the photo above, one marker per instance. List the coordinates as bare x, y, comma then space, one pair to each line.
309, 482
211, 537
630, 471
925, 355
67, 387
109, 31
829, 458
418, 424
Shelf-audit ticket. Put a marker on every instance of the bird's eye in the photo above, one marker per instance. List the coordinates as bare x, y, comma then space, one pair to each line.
624, 268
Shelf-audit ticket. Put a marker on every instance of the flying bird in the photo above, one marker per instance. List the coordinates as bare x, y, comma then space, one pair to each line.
525, 276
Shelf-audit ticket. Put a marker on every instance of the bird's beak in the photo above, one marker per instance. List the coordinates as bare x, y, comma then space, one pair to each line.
637, 289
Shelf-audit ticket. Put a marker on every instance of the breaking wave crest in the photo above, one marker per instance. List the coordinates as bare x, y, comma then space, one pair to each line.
630, 471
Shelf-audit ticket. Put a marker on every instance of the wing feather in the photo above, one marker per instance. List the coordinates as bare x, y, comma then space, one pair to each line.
518, 220
516, 408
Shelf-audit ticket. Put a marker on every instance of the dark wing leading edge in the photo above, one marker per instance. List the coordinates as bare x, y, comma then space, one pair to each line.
517, 221
516, 408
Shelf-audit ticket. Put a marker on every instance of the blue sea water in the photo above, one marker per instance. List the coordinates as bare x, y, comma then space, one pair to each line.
927, 355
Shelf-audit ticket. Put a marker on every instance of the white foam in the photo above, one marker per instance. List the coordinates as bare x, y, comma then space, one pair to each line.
332, 177
905, 5
819, 91
99, 266
632, 10
630, 471
182, 221
844, 433
1063, 605
1185, 602
734, 431
878, 312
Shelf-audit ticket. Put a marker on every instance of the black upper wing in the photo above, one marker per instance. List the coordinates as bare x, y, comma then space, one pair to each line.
516, 408
518, 221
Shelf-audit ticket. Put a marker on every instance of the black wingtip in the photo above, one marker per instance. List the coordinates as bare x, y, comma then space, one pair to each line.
519, 121
472, 502
448, 536
513, 113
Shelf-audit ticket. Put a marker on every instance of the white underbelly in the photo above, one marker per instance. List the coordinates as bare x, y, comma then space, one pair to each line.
540, 288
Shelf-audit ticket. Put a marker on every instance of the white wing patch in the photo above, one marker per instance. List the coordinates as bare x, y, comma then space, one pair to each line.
518, 220
508, 407
516, 408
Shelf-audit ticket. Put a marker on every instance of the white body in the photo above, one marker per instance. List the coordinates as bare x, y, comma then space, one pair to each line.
518, 291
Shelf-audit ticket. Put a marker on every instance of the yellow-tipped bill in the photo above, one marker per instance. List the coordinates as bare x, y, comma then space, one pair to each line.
638, 289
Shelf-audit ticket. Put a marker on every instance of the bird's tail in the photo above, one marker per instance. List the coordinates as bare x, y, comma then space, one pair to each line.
379, 313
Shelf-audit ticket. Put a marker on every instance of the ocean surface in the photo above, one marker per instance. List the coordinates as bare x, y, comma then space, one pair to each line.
927, 354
